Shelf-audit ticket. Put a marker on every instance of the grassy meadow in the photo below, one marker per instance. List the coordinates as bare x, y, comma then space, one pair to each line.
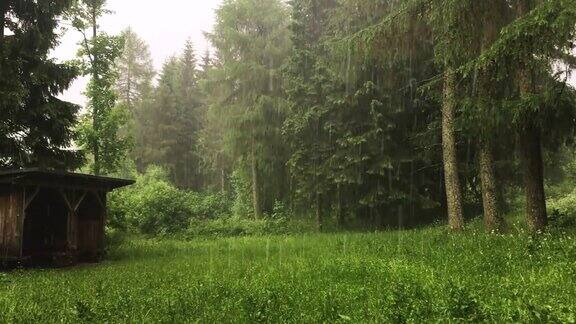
405, 276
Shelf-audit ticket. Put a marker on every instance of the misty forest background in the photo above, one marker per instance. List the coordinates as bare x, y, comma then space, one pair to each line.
308, 115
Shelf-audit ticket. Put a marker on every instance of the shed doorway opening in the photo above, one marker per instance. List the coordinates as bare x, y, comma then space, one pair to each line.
45, 225
90, 216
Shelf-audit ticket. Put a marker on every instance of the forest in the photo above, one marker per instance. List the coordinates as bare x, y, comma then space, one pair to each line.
370, 143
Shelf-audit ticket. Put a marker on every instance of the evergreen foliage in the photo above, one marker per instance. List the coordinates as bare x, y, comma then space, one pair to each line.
134, 87
36, 128
251, 39
369, 114
169, 122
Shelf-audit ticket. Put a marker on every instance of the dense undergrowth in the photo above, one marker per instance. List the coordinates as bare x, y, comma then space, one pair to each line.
405, 276
156, 208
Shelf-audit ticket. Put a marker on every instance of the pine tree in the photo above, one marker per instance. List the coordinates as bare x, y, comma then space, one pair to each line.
451, 173
170, 123
189, 120
36, 128
163, 146
308, 82
488, 19
529, 64
251, 40
205, 65
135, 70
215, 161
134, 88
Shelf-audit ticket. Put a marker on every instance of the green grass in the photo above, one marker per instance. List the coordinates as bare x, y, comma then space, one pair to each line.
381, 277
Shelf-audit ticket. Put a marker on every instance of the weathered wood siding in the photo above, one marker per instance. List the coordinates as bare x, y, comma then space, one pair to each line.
11, 222
89, 236
90, 223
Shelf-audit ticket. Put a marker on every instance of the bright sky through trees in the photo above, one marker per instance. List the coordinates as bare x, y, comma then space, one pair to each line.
165, 28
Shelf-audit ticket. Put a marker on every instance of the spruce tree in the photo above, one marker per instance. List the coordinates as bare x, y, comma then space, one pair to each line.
134, 88
189, 120
135, 70
542, 32
308, 83
36, 128
251, 40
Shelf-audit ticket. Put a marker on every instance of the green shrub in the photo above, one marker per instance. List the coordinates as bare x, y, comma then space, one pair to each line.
280, 211
115, 237
242, 190
563, 210
155, 206
208, 205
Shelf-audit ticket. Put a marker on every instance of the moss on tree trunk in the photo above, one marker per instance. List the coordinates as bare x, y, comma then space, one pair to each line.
492, 212
451, 177
531, 155
531, 149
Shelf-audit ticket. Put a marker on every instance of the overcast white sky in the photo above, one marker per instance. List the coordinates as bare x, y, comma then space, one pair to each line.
165, 25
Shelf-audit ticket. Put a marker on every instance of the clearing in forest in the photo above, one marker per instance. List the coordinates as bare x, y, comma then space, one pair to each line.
381, 277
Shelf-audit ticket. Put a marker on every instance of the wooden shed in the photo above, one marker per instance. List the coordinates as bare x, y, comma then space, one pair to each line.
51, 217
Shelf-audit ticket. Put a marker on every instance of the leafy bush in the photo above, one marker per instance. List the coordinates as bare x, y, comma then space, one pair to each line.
154, 206
242, 188
115, 238
280, 211
208, 205
563, 210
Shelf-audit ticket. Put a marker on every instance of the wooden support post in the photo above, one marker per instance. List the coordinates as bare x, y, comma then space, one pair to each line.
72, 223
80, 200
25, 203
28, 199
101, 198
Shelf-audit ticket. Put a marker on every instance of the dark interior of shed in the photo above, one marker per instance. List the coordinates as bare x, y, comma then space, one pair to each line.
90, 217
45, 225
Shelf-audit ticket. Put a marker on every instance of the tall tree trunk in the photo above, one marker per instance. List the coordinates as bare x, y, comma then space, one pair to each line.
318, 212
339, 209
96, 110
3, 11
186, 181
493, 220
531, 150
255, 187
452, 181
492, 212
222, 181
531, 155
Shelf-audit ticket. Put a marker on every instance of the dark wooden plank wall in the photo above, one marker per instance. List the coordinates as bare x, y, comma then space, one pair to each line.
90, 223
89, 236
85, 232
103, 222
11, 222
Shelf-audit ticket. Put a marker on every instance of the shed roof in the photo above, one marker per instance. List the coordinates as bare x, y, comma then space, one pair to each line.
51, 178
